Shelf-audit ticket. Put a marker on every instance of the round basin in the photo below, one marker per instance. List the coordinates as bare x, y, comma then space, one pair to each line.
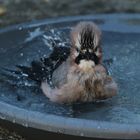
23, 103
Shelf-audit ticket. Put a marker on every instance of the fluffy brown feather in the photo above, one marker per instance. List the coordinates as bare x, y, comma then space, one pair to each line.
86, 80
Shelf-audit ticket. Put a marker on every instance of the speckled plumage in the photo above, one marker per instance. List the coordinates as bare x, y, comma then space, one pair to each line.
84, 80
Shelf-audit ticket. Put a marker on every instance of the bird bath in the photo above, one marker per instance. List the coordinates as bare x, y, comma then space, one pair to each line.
22, 102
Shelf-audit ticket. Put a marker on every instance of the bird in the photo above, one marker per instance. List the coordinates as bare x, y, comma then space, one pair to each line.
81, 77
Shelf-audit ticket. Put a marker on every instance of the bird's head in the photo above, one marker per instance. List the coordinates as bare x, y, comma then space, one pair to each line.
86, 50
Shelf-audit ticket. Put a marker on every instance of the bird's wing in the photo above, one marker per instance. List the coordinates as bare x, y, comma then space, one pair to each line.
42, 69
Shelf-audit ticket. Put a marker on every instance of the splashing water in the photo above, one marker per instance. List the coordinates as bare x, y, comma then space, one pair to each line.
122, 48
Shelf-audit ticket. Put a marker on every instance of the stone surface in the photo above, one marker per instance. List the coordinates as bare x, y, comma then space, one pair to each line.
17, 11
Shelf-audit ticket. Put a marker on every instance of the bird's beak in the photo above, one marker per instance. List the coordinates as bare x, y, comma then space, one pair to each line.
87, 56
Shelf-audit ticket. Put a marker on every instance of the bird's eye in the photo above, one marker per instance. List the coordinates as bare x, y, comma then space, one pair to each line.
95, 49
77, 49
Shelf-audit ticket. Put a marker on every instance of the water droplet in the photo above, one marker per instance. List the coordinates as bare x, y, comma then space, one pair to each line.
28, 59
25, 124
114, 58
21, 54
14, 121
81, 134
44, 55
60, 131
24, 74
20, 28
2, 117
26, 84
52, 30
50, 82
2, 95
42, 104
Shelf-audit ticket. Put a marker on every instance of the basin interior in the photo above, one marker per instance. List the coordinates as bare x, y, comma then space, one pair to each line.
23, 45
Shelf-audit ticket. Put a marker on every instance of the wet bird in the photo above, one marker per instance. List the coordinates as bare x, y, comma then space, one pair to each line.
82, 77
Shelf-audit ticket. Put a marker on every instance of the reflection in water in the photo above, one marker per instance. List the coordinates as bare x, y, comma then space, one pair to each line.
18, 89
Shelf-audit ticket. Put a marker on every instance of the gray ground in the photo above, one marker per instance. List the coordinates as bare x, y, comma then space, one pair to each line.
18, 11
6, 135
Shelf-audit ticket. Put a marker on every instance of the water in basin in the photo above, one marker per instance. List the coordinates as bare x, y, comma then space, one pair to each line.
18, 90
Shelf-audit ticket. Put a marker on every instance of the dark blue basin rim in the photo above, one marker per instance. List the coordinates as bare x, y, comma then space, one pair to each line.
74, 126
